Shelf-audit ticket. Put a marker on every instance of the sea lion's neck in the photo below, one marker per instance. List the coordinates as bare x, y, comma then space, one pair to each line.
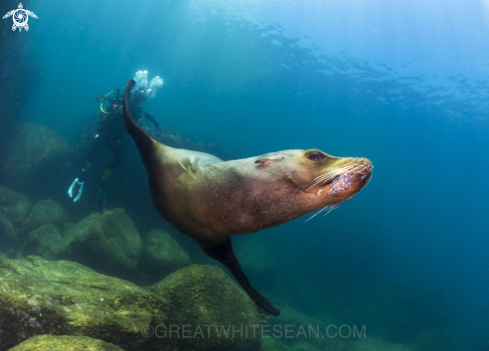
242, 202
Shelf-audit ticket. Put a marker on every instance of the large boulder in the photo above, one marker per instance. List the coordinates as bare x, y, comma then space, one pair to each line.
65, 298
161, 256
43, 242
36, 149
64, 343
201, 295
15, 206
107, 243
45, 212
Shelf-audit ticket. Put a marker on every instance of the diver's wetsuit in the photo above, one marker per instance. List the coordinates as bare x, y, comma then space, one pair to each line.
110, 132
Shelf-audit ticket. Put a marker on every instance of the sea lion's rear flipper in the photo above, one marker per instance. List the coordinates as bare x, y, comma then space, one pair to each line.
224, 253
144, 142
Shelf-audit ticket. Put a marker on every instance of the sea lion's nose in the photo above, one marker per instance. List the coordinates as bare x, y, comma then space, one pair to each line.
361, 165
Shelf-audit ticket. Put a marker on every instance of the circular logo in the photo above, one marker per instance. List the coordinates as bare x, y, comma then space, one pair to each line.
20, 18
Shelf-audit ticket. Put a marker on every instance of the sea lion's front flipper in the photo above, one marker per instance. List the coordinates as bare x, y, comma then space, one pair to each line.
224, 253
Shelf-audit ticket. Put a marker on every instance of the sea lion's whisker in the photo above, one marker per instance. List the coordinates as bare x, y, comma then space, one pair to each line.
330, 173
321, 180
334, 207
328, 208
327, 176
350, 168
335, 172
324, 174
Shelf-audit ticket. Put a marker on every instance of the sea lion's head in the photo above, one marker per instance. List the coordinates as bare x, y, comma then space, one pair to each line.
323, 179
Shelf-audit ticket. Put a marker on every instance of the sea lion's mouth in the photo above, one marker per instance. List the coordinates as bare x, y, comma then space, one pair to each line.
343, 182
344, 179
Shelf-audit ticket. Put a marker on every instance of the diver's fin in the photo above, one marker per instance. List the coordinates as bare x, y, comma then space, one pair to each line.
144, 142
73, 186
101, 201
224, 253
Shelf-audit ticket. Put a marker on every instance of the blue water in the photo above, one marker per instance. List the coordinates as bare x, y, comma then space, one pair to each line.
402, 83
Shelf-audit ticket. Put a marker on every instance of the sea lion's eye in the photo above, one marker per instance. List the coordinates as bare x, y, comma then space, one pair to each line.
315, 157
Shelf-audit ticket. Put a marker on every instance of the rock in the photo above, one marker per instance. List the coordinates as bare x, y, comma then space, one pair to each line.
304, 346
15, 206
369, 344
36, 148
63, 343
161, 256
45, 212
43, 242
8, 234
65, 298
107, 243
67, 227
205, 295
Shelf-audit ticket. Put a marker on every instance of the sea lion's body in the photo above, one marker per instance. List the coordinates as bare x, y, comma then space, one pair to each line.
209, 199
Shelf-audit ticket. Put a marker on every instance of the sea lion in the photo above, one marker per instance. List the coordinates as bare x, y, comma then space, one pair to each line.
209, 199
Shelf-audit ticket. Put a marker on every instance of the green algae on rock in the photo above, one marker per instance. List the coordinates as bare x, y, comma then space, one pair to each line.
15, 206
65, 298
43, 242
205, 297
161, 256
107, 243
45, 212
64, 343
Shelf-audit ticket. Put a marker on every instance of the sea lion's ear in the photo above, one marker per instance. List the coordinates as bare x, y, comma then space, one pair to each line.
267, 161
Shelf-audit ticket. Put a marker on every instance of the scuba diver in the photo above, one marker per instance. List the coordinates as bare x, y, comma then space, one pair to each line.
111, 131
